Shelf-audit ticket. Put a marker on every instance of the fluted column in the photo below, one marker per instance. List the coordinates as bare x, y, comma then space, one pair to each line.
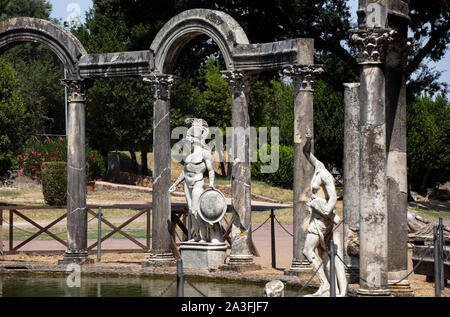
351, 180
241, 255
76, 174
161, 253
303, 77
372, 45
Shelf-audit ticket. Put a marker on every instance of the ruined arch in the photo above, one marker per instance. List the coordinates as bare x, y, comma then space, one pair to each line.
63, 43
178, 31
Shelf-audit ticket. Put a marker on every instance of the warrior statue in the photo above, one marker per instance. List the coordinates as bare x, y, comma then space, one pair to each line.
320, 229
196, 163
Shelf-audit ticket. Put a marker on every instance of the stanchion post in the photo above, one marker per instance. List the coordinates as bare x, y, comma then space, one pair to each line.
441, 253
332, 270
180, 278
437, 279
99, 236
272, 236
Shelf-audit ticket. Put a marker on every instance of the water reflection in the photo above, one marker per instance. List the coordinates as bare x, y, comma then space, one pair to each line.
16, 285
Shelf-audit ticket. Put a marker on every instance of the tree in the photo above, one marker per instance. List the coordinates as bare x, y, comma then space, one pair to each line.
428, 123
119, 111
12, 119
38, 70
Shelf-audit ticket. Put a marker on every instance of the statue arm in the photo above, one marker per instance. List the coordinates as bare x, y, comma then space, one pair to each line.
210, 167
332, 196
307, 149
177, 182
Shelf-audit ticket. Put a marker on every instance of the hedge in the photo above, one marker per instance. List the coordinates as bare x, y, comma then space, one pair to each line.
54, 183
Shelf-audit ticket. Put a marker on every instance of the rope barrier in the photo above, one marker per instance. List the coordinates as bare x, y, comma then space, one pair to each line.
261, 224
193, 286
167, 288
310, 279
283, 227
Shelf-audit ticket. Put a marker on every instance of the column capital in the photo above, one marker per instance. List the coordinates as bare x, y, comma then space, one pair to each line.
161, 85
238, 81
77, 89
373, 44
304, 75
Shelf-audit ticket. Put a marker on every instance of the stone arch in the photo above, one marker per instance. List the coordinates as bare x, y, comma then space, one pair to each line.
63, 43
178, 31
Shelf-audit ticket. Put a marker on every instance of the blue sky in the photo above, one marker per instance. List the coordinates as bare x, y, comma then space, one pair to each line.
62, 9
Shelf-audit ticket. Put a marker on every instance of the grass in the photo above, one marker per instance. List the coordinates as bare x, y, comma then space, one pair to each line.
432, 214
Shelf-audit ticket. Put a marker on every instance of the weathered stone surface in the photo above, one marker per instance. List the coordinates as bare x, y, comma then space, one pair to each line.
63, 43
351, 179
161, 253
203, 256
179, 30
116, 64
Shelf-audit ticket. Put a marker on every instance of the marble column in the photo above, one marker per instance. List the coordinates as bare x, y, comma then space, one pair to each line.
351, 180
303, 77
241, 255
396, 170
373, 233
76, 174
161, 253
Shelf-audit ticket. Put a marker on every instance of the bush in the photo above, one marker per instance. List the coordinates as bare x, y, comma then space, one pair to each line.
50, 150
54, 183
284, 175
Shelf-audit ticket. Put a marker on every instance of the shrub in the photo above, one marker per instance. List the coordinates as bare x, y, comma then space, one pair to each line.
284, 175
54, 183
49, 150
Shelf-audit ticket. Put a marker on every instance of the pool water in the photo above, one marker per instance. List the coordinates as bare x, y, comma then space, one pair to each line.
28, 285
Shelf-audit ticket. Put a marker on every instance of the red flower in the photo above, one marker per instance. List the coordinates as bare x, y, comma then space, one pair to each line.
53, 158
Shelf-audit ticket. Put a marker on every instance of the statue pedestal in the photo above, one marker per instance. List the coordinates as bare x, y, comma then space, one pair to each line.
203, 255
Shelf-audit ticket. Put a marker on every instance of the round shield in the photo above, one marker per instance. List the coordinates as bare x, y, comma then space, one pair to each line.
213, 206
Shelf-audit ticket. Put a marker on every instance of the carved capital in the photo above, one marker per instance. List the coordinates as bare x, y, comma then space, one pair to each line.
76, 89
373, 44
238, 81
161, 85
304, 75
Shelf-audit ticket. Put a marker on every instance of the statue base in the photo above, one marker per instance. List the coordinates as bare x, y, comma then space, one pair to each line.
299, 267
203, 255
79, 258
240, 263
160, 260
374, 292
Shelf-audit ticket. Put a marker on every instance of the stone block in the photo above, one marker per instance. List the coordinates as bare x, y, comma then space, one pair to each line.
203, 256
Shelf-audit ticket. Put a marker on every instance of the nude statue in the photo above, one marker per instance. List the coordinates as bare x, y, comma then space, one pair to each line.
320, 229
196, 163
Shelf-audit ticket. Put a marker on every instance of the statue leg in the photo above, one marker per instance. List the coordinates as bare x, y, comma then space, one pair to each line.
341, 278
196, 192
188, 195
216, 233
311, 244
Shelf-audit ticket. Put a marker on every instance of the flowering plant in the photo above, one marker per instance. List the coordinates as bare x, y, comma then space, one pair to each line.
55, 150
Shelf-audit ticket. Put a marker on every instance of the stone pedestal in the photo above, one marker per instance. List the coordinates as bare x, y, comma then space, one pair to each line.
203, 256
160, 260
75, 257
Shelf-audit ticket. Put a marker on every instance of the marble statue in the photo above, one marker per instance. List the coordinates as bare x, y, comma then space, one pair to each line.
274, 288
197, 162
320, 229
418, 226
